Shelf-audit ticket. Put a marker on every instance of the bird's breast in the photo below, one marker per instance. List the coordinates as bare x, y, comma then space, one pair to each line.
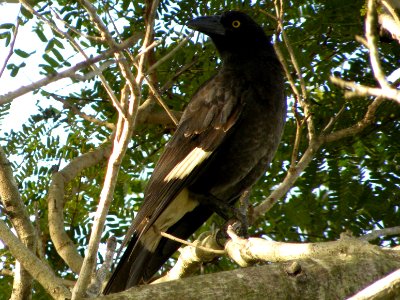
245, 154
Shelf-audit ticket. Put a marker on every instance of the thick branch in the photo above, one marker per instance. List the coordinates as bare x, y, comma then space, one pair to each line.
331, 277
19, 217
246, 252
63, 244
192, 257
385, 288
41, 272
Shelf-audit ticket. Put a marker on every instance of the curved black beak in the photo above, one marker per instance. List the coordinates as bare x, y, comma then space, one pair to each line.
207, 25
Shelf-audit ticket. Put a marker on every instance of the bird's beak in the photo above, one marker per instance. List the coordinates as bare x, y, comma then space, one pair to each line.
207, 25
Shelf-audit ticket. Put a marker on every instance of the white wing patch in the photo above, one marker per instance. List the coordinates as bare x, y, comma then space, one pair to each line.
187, 165
175, 211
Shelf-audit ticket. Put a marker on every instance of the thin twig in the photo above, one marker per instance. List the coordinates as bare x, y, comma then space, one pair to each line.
147, 41
90, 75
192, 257
392, 11
103, 80
358, 90
10, 96
121, 61
301, 99
381, 232
361, 40
120, 144
371, 42
170, 54
11, 51
161, 102
291, 176
333, 120
84, 116
368, 119
73, 29
279, 13
94, 289
294, 173
184, 242
147, 49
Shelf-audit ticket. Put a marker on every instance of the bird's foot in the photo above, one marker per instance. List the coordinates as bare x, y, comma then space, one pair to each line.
236, 217
239, 228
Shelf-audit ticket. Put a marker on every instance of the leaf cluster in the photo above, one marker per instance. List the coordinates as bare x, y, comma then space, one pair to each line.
352, 185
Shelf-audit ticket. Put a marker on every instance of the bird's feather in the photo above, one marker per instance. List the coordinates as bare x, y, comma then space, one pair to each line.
224, 142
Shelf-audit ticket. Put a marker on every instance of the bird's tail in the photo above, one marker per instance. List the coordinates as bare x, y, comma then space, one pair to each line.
138, 264
130, 269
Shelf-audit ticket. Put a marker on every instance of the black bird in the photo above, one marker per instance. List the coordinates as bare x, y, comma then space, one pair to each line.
225, 140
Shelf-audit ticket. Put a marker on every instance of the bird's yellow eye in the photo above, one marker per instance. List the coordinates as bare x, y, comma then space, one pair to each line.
236, 24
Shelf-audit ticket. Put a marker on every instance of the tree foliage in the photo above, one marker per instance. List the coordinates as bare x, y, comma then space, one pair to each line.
351, 184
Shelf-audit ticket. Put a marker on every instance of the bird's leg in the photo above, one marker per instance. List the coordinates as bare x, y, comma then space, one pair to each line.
234, 216
239, 224
243, 207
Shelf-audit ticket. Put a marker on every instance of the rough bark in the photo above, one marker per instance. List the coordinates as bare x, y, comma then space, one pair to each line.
17, 213
336, 276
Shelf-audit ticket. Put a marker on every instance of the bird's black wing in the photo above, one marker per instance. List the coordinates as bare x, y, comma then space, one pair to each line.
205, 123
213, 110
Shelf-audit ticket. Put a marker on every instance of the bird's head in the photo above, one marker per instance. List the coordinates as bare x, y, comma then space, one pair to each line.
232, 31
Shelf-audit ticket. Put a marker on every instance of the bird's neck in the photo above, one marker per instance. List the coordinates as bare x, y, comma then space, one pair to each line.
250, 64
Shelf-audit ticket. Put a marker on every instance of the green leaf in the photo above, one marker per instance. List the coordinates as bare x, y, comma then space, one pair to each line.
6, 36
41, 35
58, 55
27, 14
50, 60
58, 43
49, 46
7, 26
15, 69
22, 53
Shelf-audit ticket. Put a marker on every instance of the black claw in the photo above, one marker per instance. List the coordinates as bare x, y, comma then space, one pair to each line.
239, 228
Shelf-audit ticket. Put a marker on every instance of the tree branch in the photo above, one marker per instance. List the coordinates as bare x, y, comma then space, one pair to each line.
63, 244
122, 137
385, 288
246, 252
287, 183
192, 257
385, 90
326, 277
380, 232
94, 289
40, 271
11, 50
358, 90
16, 211
316, 141
10, 96
370, 27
